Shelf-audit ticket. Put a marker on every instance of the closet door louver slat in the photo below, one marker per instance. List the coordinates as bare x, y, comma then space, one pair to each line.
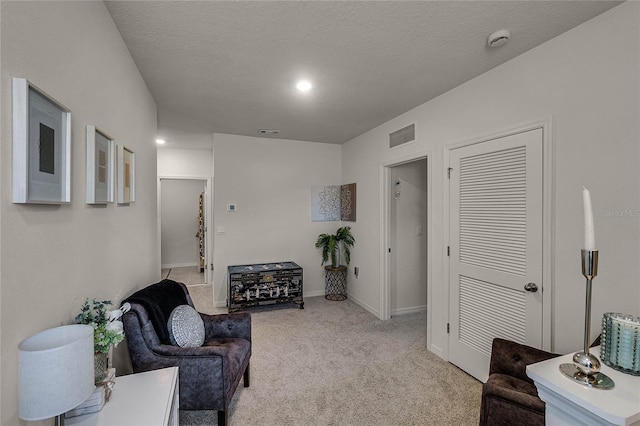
480, 316
491, 196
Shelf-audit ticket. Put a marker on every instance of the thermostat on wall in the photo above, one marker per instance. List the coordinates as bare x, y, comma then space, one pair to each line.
232, 207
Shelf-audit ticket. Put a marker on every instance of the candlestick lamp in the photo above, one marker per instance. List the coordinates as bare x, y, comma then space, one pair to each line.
586, 366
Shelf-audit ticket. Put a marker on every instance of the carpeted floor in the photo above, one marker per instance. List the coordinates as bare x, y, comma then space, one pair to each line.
333, 363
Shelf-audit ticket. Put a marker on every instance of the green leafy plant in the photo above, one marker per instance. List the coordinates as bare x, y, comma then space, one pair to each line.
107, 326
331, 244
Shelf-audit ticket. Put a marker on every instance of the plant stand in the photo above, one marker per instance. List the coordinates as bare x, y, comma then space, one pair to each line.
335, 283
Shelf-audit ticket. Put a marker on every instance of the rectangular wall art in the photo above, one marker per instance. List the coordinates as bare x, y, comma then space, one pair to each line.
41, 147
348, 202
325, 203
333, 203
100, 166
126, 175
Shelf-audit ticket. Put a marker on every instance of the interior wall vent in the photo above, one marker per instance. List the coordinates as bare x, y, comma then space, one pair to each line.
268, 132
404, 135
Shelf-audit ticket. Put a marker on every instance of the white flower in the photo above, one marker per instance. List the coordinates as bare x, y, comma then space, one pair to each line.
115, 326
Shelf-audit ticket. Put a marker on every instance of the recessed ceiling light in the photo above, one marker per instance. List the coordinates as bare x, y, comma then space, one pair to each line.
304, 86
160, 141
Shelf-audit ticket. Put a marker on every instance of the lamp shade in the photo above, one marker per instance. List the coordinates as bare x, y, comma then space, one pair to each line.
56, 371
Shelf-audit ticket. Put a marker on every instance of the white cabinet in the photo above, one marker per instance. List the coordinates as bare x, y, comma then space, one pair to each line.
143, 399
571, 403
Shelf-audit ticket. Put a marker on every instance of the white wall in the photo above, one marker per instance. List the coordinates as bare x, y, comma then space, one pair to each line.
53, 257
270, 181
409, 238
183, 132
587, 82
179, 212
185, 162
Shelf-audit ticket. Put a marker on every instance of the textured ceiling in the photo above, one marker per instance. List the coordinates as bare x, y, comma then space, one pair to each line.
231, 66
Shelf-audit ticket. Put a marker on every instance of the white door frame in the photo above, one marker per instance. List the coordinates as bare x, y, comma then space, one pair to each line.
548, 220
385, 233
208, 219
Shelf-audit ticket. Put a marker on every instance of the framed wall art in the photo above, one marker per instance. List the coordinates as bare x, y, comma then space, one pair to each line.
126, 175
325, 203
100, 166
348, 202
333, 203
41, 147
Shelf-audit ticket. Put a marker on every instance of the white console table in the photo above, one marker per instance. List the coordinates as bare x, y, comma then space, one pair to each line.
570, 403
143, 399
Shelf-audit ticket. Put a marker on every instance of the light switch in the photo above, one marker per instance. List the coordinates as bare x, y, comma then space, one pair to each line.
419, 230
220, 230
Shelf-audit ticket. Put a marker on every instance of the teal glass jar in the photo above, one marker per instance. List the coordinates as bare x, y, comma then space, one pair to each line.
620, 342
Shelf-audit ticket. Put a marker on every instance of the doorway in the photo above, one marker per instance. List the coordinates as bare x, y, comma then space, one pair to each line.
183, 218
408, 238
390, 240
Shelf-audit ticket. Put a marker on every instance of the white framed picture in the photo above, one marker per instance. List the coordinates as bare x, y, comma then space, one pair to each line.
41, 147
100, 166
126, 175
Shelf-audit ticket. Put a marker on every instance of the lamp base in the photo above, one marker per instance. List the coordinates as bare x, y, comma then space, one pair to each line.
588, 364
595, 380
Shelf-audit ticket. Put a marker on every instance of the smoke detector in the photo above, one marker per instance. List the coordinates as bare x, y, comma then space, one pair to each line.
499, 38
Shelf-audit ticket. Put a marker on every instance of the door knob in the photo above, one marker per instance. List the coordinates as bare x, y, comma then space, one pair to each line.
532, 287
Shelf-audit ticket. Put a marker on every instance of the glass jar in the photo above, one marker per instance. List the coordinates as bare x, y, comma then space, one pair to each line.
620, 343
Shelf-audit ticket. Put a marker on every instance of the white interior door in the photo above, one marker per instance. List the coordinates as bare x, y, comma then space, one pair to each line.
495, 247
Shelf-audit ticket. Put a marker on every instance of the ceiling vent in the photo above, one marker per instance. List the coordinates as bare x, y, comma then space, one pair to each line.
268, 132
402, 136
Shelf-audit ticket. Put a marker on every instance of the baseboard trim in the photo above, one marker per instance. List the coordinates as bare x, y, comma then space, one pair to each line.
177, 265
438, 351
409, 310
364, 305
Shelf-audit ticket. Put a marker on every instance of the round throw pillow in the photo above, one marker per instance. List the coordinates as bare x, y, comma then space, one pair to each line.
186, 328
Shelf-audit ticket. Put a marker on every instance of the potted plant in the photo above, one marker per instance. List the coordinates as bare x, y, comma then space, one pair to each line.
330, 245
107, 326
335, 274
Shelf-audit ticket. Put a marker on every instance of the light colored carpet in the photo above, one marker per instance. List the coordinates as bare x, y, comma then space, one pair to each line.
333, 363
202, 296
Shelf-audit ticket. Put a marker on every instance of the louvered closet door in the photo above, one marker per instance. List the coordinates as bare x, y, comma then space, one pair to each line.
496, 247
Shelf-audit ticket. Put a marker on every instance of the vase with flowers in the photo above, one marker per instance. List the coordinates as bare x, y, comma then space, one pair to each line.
108, 330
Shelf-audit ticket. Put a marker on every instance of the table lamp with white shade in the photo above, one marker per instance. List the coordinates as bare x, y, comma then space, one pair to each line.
56, 372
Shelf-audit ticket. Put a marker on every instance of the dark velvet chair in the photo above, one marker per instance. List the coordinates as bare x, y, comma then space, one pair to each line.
209, 374
509, 397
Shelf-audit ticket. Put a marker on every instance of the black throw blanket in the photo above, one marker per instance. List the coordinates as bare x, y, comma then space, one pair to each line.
160, 300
